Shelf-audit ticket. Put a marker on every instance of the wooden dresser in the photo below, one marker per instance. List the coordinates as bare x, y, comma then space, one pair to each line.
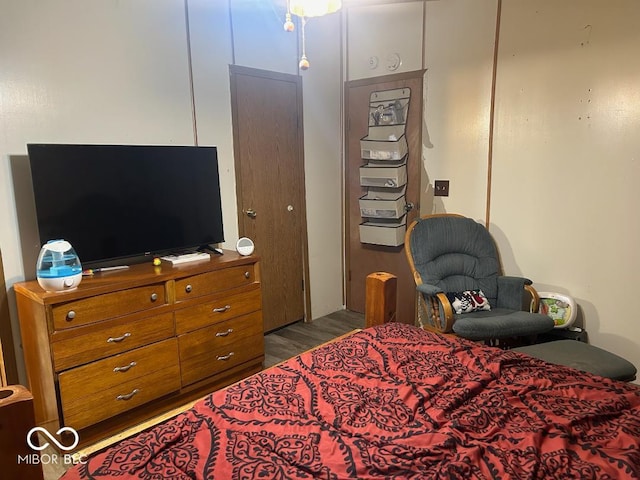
130, 344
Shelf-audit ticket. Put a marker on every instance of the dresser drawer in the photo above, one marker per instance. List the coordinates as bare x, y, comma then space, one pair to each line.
109, 305
110, 338
156, 373
212, 282
218, 309
213, 349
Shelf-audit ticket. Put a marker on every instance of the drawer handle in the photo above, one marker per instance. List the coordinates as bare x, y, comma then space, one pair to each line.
154, 297
188, 288
224, 334
118, 339
71, 315
128, 395
247, 274
222, 309
225, 357
125, 368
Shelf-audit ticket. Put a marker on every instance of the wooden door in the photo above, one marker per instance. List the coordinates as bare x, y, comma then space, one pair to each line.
361, 258
269, 161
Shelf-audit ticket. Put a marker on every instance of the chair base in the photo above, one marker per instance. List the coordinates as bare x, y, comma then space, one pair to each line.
582, 356
564, 334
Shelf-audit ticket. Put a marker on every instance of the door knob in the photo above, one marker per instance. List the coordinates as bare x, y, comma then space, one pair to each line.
250, 213
290, 208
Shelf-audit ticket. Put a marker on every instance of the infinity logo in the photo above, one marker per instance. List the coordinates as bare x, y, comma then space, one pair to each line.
53, 439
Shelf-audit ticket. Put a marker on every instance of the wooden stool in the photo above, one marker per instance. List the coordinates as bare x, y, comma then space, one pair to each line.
381, 298
16, 419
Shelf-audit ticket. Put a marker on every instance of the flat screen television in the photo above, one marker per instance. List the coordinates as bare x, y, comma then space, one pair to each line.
121, 204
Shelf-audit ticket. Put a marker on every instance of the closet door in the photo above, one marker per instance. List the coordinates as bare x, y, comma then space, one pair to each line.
269, 161
365, 258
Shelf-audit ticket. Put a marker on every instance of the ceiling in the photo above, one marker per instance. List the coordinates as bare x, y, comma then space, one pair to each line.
362, 3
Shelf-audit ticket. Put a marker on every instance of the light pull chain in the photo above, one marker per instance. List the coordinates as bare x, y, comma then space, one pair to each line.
289, 26
304, 63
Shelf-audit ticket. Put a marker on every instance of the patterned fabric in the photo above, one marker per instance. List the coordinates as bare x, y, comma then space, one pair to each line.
468, 301
395, 402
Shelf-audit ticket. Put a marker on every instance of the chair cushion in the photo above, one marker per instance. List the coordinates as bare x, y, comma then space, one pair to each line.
500, 323
582, 356
455, 254
468, 301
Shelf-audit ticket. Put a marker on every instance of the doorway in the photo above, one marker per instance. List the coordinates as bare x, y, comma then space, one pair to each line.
269, 163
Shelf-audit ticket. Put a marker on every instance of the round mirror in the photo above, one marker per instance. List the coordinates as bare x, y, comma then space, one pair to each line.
244, 246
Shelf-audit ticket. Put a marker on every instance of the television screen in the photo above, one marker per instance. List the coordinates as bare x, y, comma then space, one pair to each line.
112, 202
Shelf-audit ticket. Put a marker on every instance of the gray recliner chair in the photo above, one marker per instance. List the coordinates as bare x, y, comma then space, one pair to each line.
460, 285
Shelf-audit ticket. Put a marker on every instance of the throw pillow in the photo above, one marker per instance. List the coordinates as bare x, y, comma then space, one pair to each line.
468, 301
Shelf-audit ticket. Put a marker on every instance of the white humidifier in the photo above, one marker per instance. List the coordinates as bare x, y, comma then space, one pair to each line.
58, 267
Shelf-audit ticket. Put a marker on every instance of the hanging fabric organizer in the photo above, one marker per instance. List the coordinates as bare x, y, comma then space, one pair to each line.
384, 207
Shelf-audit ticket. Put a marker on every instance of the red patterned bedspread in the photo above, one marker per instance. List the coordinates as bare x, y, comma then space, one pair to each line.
395, 402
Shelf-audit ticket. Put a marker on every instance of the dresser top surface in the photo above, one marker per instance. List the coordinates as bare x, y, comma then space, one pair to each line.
134, 276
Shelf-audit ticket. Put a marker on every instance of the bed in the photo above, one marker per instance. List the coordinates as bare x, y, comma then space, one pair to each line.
394, 401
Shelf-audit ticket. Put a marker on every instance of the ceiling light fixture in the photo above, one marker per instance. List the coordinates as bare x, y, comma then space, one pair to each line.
305, 9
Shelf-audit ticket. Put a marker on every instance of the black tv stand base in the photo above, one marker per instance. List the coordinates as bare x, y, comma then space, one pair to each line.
209, 248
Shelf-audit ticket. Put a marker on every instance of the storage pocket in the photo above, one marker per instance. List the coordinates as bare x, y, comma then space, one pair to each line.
383, 203
387, 176
384, 232
393, 147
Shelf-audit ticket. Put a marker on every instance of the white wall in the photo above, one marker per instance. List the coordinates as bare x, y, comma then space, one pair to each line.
458, 57
567, 147
384, 39
260, 40
566, 129
118, 72
322, 87
211, 53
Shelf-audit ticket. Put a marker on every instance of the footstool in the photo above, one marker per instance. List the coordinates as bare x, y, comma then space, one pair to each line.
582, 356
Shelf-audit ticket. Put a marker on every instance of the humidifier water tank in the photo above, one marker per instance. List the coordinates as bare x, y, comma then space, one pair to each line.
58, 267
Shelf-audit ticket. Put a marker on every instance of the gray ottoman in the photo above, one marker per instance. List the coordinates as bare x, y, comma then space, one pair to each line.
582, 356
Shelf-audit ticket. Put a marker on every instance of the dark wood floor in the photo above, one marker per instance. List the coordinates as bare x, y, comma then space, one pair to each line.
298, 337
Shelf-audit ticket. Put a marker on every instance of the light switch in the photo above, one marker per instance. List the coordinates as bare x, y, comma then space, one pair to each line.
441, 188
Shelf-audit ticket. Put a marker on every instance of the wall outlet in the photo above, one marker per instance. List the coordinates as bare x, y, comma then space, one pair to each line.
441, 188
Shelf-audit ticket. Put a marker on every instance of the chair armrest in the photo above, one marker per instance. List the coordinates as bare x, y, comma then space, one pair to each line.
428, 289
511, 292
437, 308
534, 305
514, 280
446, 314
